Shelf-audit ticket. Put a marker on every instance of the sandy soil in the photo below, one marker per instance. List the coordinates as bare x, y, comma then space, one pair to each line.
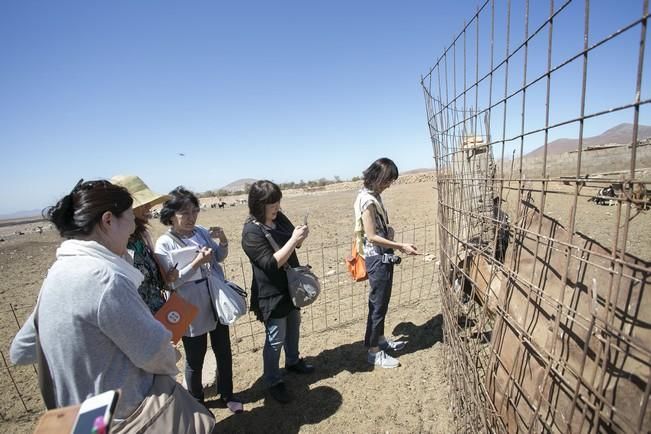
344, 394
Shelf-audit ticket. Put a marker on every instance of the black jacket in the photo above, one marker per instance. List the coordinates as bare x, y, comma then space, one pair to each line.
269, 292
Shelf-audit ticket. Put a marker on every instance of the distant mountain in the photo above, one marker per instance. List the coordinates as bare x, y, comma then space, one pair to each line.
408, 172
21, 214
237, 185
621, 134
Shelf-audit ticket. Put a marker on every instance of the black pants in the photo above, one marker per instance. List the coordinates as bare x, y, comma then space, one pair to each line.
380, 278
195, 352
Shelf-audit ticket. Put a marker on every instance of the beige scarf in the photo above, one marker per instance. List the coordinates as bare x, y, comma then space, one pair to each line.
364, 196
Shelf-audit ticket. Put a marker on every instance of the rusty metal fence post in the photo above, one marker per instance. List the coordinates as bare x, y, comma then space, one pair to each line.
544, 290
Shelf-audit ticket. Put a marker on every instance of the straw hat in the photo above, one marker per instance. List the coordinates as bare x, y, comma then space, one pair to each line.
141, 194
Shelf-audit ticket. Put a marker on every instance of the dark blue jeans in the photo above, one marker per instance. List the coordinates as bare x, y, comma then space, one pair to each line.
380, 279
195, 352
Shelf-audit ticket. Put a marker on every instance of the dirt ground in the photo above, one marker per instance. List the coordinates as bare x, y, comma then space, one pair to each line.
344, 394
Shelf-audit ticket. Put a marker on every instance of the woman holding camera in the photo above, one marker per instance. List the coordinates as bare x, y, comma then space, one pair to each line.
181, 212
376, 244
86, 314
270, 299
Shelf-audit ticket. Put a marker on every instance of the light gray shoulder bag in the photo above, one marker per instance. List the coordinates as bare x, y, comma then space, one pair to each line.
304, 286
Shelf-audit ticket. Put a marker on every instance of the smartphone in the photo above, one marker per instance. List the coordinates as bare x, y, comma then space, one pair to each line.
102, 405
305, 219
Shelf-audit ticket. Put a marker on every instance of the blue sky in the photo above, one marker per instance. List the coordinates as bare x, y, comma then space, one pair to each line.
282, 90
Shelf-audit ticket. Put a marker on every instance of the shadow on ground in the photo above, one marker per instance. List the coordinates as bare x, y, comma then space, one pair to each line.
311, 406
420, 337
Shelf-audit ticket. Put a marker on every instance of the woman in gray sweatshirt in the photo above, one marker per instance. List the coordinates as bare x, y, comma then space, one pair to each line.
89, 307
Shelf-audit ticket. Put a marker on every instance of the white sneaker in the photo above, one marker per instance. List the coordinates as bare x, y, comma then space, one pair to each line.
392, 345
382, 360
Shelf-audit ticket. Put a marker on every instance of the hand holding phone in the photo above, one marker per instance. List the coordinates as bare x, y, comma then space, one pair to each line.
96, 407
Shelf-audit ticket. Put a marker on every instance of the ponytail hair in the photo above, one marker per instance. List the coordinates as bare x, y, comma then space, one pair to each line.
78, 212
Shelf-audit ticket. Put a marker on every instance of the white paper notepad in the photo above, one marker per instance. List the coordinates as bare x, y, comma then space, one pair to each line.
183, 257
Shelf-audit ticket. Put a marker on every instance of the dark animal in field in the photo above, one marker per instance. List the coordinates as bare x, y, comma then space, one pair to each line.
604, 196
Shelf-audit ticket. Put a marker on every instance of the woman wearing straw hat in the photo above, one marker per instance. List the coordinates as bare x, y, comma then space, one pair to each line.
140, 245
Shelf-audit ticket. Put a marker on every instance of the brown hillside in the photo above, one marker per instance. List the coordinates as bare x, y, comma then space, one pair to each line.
620, 134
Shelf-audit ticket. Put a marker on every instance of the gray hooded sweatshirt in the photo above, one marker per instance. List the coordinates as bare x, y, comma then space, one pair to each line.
96, 332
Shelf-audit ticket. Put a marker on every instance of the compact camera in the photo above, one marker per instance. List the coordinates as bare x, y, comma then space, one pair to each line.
390, 258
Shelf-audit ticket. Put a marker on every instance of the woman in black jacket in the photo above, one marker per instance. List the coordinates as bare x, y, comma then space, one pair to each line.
270, 299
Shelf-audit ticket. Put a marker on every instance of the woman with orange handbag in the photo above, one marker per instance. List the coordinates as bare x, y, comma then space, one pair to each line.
376, 245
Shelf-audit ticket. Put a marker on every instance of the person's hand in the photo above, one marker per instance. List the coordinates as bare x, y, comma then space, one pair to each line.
172, 275
218, 233
409, 249
390, 233
204, 256
300, 233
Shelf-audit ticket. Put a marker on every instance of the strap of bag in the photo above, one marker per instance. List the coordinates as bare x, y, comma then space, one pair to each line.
266, 233
273, 242
45, 382
176, 238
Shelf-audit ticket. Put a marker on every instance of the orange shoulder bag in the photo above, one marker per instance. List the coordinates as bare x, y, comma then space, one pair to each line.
356, 264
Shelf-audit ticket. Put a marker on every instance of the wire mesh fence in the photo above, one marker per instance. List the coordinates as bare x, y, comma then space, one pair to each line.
341, 301
547, 321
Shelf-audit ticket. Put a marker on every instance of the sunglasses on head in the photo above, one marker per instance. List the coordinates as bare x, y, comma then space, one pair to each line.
89, 185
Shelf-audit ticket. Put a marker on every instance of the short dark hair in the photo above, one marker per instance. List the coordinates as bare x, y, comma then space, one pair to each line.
381, 171
181, 197
77, 213
262, 193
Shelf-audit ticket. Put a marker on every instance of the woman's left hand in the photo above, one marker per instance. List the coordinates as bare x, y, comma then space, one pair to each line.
218, 233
